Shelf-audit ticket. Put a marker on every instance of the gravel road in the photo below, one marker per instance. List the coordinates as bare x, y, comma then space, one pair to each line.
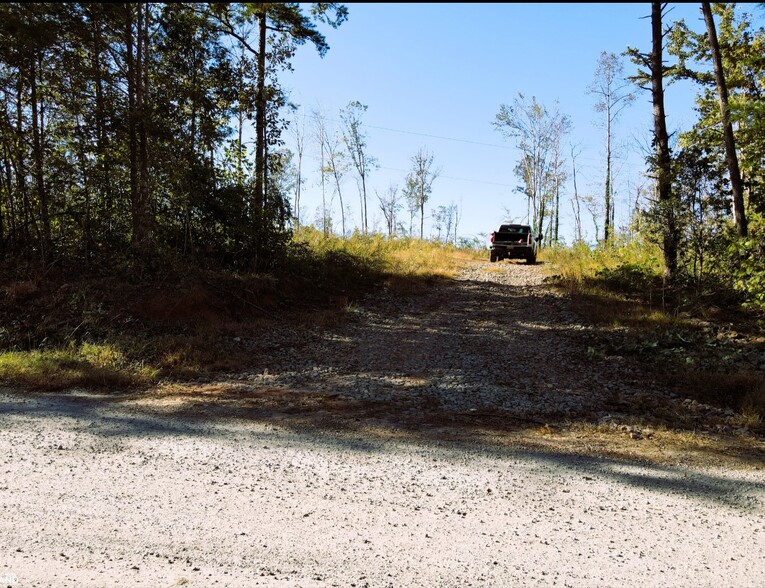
332, 463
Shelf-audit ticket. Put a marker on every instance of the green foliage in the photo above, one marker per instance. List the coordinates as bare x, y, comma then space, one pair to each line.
115, 130
630, 277
741, 47
747, 260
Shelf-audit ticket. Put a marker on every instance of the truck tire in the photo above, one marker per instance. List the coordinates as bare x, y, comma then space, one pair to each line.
492, 257
531, 260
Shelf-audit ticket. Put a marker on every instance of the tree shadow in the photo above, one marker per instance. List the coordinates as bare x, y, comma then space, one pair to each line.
392, 380
347, 425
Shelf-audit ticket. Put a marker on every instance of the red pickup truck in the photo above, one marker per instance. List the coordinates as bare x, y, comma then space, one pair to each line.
514, 242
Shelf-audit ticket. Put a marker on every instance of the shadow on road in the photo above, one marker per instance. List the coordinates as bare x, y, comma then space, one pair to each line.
373, 427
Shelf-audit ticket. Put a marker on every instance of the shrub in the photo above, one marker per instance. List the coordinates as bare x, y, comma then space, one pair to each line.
748, 263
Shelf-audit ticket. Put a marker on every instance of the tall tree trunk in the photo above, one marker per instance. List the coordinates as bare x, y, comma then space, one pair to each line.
661, 142
260, 120
103, 184
5, 188
607, 229
7, 223
39, 170
557, 211
575, 204
132, 115
366, 210
299, 176
27, 218
144, 205
739, 212
137, 72
340, 196
422, 215
86, 220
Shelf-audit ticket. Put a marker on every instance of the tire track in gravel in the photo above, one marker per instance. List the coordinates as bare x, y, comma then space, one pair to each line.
494, 343
99, 492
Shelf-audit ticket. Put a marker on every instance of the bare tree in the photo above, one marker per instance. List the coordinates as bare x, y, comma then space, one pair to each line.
575, 200
390, 204
457, 218
419, 183
337, 166
537, 133
611, 89
355, 140
298, 132
559, 176
319, 135
595, 208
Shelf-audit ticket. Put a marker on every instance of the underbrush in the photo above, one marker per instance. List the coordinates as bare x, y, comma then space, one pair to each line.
126, 327
698, 336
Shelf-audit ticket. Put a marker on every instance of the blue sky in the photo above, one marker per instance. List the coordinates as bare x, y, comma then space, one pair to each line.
434, 76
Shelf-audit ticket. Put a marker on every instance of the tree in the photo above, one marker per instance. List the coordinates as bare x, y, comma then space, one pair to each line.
337, 166
610, 88
739, 212
575, 199
355, 141
319, 135
287, 21
445, 220
419, 183
390, 205
298, 131
116, 131
559, 176
281, 27
538, 134
740, 50
661, 162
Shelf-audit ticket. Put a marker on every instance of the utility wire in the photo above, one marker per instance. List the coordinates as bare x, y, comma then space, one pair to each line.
453, 178
444, 138
424, 135
456, 140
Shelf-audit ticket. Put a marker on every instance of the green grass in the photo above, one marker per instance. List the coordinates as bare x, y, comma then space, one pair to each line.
88, 365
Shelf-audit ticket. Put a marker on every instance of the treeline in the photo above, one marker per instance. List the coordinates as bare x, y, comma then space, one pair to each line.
123, 128
708, 209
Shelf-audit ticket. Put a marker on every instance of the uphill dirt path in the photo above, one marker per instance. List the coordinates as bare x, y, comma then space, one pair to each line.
460, 436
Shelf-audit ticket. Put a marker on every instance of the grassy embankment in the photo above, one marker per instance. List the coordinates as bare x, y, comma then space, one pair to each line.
701, 341
115, 331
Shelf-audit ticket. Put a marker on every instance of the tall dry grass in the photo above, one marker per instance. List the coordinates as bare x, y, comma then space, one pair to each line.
401, 257
578, 267
315, 274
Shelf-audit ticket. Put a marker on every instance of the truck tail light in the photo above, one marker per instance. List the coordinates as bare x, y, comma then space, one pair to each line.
492, 238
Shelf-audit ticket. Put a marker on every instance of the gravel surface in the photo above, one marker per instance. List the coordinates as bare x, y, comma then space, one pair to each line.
330, 463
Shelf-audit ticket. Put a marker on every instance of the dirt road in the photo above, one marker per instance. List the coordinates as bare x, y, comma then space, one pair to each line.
389, 449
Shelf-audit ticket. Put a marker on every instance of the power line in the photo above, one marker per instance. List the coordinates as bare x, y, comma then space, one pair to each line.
454, 139
453, 178
443, 138
426, 135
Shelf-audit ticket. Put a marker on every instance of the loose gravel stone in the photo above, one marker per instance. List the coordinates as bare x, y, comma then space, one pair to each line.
101, 492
